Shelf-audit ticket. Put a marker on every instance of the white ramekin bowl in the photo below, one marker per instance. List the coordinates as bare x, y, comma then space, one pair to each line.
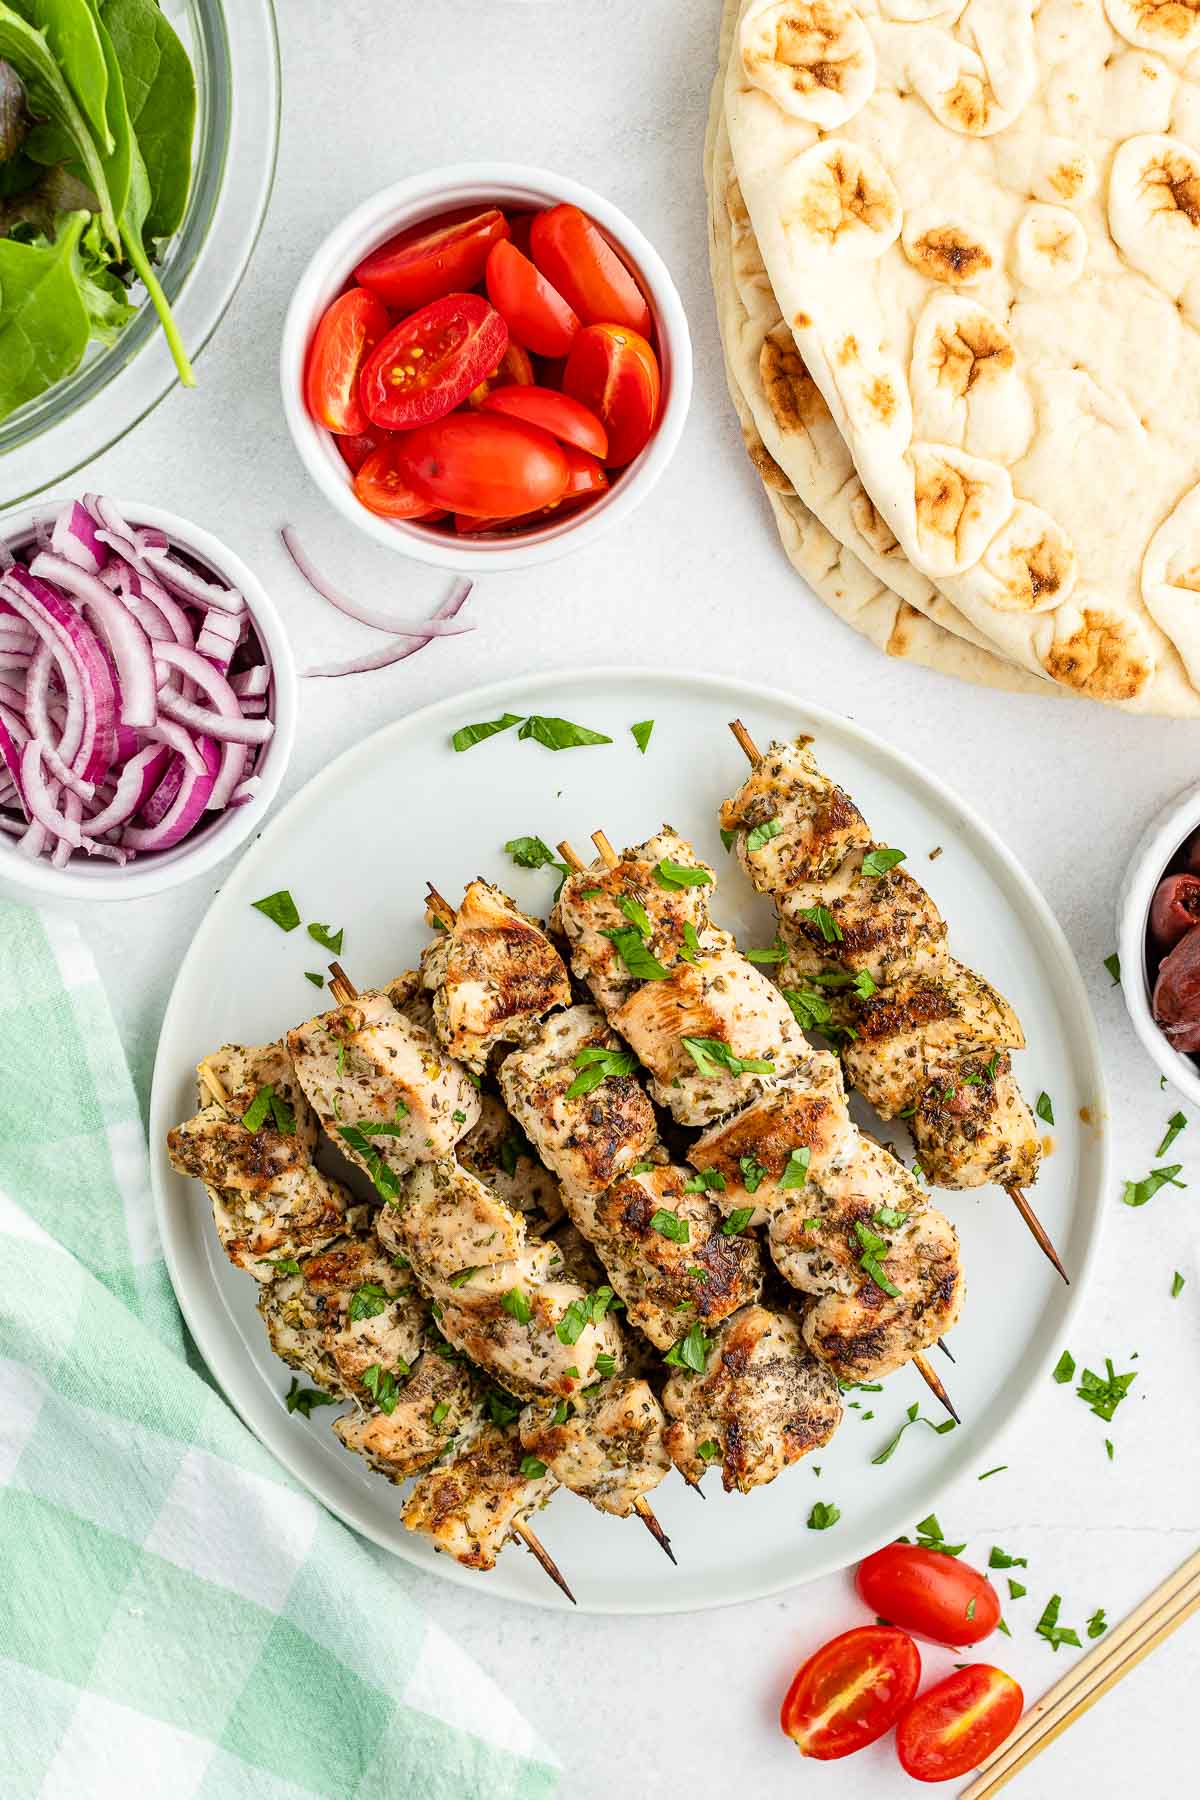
86, 878
426, 196
1159, 844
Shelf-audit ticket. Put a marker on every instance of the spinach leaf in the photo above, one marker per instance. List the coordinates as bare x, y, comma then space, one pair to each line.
69, 29
160, 95
43, 320
51, 99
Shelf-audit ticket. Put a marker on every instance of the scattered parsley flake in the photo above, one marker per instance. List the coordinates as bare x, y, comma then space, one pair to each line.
368, 1301
467, 736
1000, 1559
811, 1011
795, 1172
711, 1055
762, 834
1016, 1589
1045, 1108
737, 1221
1177, 1285
317, 980
1049, 1628
987, 1473
670, 1225
878, 862
676, 875
258, 1111
774, 953
1104, 1394
1113, 965
641, 733
691, 1352
1137, 1193
1175, 1124
532, 1468
559, 734
631, 948
705, 1181
516, 1305
380, 1383
709, 1450
597, 1065
753, 1173
823, 1515
328, 940
1097, 1625
280, 908
441, 1411
302, 1400
1064, 1368
914, 1416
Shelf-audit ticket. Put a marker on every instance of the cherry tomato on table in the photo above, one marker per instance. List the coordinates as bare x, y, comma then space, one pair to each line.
928, 1592
483, 464
851, 1691
574, 255
535, 312
429, 363
515, 370
432, 259
382, 488
614, 372
953, 1726
345, 337
560, 415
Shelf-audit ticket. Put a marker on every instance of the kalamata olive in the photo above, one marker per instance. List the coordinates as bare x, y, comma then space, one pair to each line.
1177, 993
1174, 910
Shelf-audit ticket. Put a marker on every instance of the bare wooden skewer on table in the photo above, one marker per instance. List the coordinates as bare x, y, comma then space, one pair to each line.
1017, 1195
920, 1363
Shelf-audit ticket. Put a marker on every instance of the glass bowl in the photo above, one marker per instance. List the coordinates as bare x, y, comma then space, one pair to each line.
235, 53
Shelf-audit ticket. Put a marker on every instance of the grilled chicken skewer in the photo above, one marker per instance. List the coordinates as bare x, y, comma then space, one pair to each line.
503, 1301
930, 1039
778, 1126
345, 1316
656, 1231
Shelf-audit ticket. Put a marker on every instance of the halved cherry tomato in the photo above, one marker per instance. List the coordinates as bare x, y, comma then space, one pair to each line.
586, 476
572, 252
483, 464
560, 415
952, 1727
429, 363
930, 1593
586, 479
383, 490
516, 370
535, 312
355, 450
345, 337
445, 256
851, 1691
614, 372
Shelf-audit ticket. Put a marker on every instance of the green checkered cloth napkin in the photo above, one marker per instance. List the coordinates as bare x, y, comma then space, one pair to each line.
176, 1614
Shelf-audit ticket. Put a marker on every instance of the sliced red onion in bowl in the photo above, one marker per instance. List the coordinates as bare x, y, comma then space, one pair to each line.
80, 660
188, 809
127, 641
74, 536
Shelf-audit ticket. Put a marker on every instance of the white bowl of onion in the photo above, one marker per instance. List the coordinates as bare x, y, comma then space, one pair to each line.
148, 701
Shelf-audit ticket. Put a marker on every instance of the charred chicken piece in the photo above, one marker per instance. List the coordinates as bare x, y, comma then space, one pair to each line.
468, 1506
758, 1153
793, 823
922, 1022
346, 1310
437, 1406
611, 1452
493, 975
887, 925
972, 1125
497, 1150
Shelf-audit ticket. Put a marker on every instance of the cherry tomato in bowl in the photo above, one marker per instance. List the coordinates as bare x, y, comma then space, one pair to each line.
614, 372
585, 479
355, 450
958, 1722
382, 488
428, 364
851, 1691
564, 418
574, 255
483, 464
347, 334
534, 311
438, 257
927, 1592
515, 370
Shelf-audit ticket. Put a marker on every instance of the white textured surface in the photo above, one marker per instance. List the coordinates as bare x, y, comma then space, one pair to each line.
616, 96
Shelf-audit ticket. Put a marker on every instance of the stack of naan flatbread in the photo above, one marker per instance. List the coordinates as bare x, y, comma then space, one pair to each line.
956, 254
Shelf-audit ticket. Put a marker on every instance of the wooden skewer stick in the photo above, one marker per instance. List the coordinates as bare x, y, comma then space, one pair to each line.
340, 985
642, 1508
1040, 1235
608, 855
440, 907
945, 1349
1115, 1656
534, 1543
212, 1081
571, 857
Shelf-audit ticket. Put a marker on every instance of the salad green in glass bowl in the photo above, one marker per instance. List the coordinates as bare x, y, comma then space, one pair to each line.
137, 151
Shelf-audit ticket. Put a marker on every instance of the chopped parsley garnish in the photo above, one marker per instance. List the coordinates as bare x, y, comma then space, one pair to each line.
823, 919
467, 736
1045, 1108
762, 834
1104, 1394
561, 1414
675, 875
728, 839
317, 980
302, 1400
1138, 1192
795, 1170
641, 733
514, 1147
532, 1468
1177, 1285
711, 1055
753, 1173
888, 1219
737, 1221
367, 1301
458, 1116
1016, 1589
1097, 1625
670, 1225
987, 1073
810, 1225
559, 734
823, 1515
280, 908
998, 1470
631, 948
606, 1363
704, 1181
774, 953
1175, 1124
1064, 1368
461, 1279
387, 1184
380, 1383
914, 1416
328, 940
690, 951
499, 1408
283, 1265
441, 1411
516, 1305
532, 853
1000, 1559
811, 1011
971, 1607
258, 1111
1108, 1449
596, 1065
708, 1451
862, 983
691, 1352
1049, 1628
874, 1252
636, 913
586, 1311
1113, 965
878, 862
930, 1536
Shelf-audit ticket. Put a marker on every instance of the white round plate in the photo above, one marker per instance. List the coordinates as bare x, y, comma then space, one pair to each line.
356, 848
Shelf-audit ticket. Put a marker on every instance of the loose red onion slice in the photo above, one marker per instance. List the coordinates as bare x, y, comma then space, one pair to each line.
399, 648
128, 642
75, 538
247, 791
439, 626
60, 856
83, 667
137, 781
187, 811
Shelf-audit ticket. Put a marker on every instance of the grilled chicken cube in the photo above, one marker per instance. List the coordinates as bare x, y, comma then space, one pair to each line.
382, 1087
579, 1260
450, 1221
762, 1403
532, 1329
973, 1126
408, 994
755, 1152
725, 1002
493, 975
592, 1137
668, 1257
497, 1150
468, 1506
918, 1025
243, 1071
601, 900
610, 1453
885, 926
347, 1310
793, 823
437, 1406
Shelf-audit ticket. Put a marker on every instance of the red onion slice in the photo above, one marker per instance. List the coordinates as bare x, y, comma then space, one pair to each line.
41, 797
166, 731
186, 584
84, 670
136, 783
128, 642
250, 684
228, 724
188, 808
399, 648
439, 626
74, 537
230, 729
